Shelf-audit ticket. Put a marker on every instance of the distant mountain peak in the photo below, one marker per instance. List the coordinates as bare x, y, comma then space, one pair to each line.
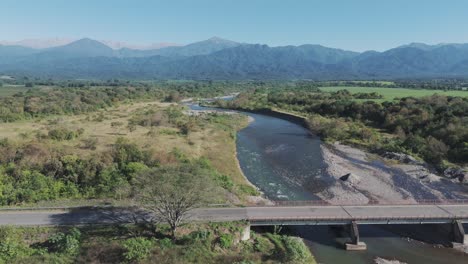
38, 43
426, 47
218, 40
88, 42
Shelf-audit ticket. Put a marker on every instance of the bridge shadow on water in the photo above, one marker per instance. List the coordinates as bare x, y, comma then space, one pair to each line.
407, 243
336, 236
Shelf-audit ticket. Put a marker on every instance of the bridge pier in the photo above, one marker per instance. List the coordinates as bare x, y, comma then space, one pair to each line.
355, 244
459, 238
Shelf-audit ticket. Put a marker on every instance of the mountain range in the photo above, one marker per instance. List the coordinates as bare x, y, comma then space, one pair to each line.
218, 58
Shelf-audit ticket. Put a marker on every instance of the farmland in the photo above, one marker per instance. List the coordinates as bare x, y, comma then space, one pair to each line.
392, 93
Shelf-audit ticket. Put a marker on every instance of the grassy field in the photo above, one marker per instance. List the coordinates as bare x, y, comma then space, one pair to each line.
7, 90
392, 93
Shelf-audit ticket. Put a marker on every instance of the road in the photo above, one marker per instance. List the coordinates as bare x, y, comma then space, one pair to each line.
375, 214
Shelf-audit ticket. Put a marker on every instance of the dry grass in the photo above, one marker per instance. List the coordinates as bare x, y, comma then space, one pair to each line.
210, 140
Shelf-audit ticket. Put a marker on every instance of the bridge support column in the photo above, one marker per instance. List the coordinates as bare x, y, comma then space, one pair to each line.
245, 234
459, 238
355, 244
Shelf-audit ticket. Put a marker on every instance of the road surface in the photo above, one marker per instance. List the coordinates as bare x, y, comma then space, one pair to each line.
378, 214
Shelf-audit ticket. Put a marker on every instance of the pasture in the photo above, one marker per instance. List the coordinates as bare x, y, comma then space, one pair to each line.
392, 93
7, 90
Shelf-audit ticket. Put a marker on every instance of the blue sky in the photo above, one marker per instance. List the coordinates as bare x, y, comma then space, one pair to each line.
349, 24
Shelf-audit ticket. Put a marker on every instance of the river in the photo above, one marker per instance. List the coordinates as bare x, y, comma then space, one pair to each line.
283, 159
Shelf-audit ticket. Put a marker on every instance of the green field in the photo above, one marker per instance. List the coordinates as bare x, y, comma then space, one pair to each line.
392, 93
7, 90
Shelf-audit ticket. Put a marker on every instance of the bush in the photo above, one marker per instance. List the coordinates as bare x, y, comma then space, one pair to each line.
262, 245
224, 181
90, 143
66, 243
296, 250
61, 134
165, 243
226, 240
12, 245
137, 248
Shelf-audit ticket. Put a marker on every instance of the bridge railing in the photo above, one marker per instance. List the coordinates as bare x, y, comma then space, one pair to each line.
373, 218
406, 202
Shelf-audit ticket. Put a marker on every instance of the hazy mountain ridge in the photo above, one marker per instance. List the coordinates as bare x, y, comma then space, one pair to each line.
217, 58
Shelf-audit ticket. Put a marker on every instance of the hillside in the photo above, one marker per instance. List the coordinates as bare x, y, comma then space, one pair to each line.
217, 58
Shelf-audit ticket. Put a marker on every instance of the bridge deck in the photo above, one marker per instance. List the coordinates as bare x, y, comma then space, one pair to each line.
312, 215
366, 214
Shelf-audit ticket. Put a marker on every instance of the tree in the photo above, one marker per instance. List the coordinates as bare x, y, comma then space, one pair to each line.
171, 192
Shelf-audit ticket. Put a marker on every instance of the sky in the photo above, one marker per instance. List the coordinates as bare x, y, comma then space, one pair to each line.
348, 24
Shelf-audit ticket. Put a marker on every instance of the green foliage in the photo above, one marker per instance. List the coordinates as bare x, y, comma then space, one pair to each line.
13, 246
111, 244
124, 152
200, 236
224, 181
137, 248
296, 250
248, 189
166, 243
66, 243
226, 240
262, 244
290, 249
64, 133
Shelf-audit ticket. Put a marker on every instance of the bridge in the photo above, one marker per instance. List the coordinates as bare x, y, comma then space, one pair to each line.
349, 216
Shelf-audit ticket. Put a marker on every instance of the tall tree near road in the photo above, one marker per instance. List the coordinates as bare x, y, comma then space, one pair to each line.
172, 191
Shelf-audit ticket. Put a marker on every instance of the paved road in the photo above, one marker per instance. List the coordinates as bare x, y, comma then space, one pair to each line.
256, 215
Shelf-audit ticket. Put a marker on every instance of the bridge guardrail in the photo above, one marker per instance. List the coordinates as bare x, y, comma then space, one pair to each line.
383, 203
376, 218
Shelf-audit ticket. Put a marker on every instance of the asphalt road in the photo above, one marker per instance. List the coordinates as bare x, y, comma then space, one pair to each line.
364, 214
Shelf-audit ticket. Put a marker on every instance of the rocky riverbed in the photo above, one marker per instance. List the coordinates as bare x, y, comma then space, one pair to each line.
358, 177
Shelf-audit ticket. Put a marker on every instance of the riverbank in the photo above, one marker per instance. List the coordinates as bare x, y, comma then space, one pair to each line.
355, 176
226, 161
359, 177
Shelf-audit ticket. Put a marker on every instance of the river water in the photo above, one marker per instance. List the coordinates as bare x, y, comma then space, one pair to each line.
283, 159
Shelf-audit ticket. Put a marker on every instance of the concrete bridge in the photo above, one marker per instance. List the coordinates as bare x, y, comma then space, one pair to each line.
349, 216
346, 215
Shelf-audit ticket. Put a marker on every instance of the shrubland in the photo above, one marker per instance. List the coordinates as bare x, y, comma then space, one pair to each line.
197, 243
97, 140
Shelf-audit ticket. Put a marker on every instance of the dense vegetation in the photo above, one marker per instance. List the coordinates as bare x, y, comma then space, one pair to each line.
434, 127
43, 101
201, 243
